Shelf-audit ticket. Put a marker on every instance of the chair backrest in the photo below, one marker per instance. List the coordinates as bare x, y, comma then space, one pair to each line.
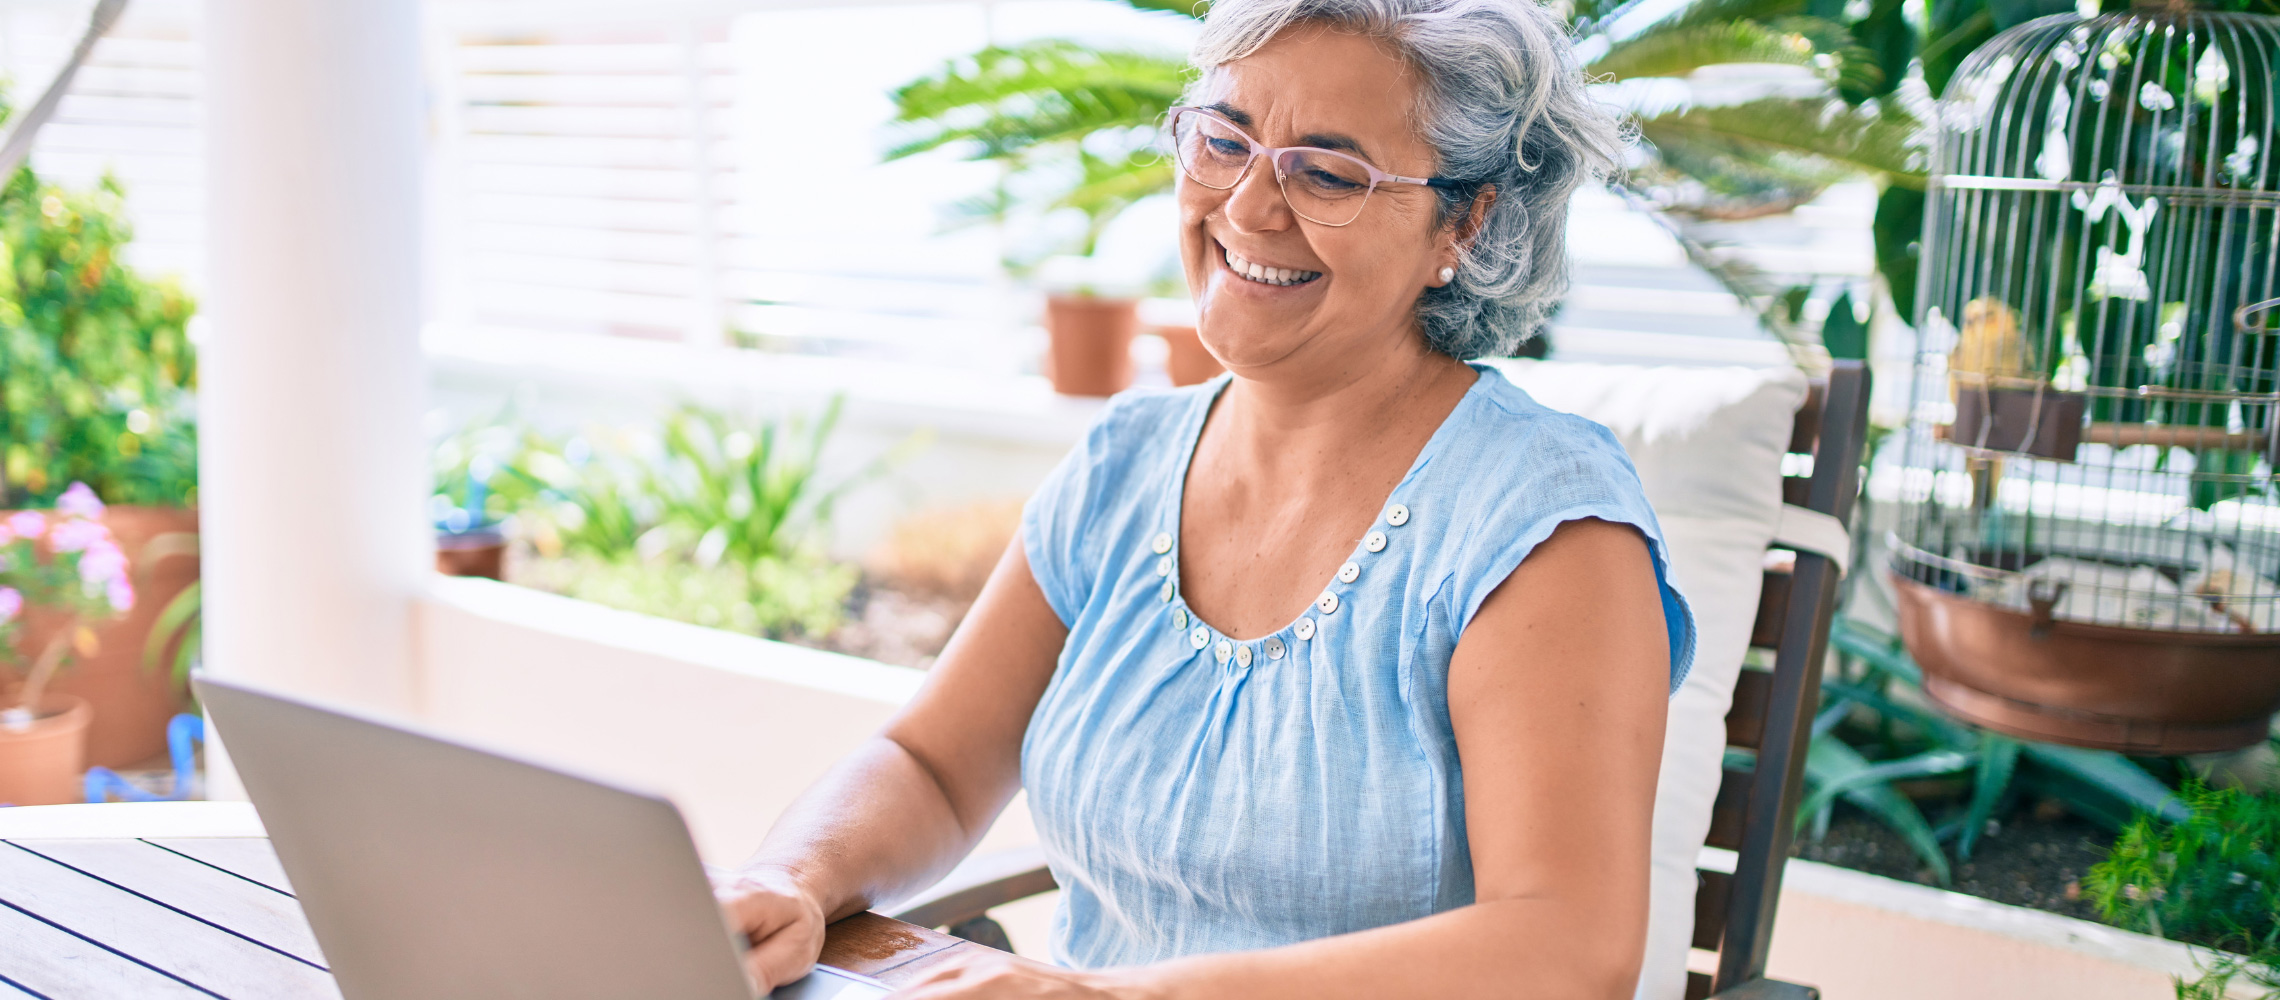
1773, 709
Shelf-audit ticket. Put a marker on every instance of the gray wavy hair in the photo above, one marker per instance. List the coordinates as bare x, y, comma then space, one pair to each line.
1504, 105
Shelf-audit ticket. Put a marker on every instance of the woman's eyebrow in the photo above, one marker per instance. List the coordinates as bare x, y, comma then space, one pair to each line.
1319, 140
1332, 141
1231, 113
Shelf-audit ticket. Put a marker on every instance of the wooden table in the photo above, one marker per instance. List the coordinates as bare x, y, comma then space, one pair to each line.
202, 917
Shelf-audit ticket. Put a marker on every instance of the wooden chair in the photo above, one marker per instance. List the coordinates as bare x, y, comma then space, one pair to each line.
1772, 716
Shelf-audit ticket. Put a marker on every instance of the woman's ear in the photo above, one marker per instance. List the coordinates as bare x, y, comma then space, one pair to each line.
1469, 227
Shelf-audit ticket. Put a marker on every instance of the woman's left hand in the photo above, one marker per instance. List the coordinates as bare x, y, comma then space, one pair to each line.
993, 975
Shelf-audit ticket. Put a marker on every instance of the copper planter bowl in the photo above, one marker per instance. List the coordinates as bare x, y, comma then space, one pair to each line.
2137, 691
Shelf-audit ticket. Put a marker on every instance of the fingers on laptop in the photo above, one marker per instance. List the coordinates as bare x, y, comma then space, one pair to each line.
785, 935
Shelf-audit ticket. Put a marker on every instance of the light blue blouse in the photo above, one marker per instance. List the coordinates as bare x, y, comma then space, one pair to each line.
1195, 793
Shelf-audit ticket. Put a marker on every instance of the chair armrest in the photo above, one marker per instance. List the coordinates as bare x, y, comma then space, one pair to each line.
1767, 989
978, 885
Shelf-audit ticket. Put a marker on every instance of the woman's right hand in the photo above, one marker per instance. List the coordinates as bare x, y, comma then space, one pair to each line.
781, 921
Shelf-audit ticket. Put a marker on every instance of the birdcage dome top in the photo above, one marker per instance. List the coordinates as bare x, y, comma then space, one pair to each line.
2157, 97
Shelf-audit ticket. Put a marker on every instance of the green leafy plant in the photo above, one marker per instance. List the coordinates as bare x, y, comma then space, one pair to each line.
709, 518
1072, 125
1873, 732
95, 363
2211, 878
177, 635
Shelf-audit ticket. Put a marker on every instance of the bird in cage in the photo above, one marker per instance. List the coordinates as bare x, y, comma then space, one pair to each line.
1989, 345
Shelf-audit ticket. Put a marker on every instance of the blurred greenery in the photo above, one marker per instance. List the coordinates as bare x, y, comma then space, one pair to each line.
96, 368
707, 517
2210, 878
1875, 732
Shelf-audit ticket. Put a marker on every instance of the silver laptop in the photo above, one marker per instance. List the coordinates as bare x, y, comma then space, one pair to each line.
432, 870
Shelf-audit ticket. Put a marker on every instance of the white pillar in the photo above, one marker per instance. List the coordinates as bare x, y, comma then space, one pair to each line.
312, 478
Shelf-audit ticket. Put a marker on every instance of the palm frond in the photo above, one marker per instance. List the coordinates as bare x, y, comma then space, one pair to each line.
1678, 50
1109, 186
1721, 11
1188, 8
1789, 134
1005, 101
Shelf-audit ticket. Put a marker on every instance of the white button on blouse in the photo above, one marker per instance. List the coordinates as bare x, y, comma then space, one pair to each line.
1327, 603
1396, 515
1163, 543
1349, 572
1376, 541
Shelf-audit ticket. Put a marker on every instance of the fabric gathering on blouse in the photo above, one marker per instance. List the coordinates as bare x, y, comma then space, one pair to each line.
1197, 793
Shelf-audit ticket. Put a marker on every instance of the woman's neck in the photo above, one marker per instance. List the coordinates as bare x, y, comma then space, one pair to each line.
1292, 418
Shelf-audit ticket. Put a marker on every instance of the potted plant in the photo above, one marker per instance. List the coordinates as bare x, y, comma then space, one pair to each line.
61, 573
468, 540
96, 373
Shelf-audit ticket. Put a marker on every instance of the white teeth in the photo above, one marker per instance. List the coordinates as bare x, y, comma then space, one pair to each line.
1267, 275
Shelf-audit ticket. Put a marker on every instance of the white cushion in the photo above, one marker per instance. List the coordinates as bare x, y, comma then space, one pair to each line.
1708, 444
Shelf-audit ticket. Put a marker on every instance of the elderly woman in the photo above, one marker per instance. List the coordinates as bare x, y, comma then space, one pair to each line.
1343, 675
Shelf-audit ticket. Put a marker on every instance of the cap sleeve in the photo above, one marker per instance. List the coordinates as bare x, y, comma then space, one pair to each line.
1053, 523
1576, 470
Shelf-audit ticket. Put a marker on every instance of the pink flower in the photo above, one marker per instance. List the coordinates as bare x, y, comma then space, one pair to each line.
11, 602
73, 536
7, 534
120, 593
79, 501
102, 562
27, 524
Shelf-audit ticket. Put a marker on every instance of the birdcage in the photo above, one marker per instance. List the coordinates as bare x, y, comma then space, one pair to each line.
2089, 533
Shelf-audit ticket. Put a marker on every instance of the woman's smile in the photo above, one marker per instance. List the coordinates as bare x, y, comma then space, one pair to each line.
1254, 272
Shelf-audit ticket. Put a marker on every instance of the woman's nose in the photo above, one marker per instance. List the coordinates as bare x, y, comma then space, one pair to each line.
1257, 204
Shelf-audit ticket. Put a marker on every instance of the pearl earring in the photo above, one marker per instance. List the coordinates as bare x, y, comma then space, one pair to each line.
1448, 273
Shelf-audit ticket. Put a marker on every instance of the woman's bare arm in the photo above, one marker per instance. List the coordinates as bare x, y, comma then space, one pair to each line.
1557, 693
900, 811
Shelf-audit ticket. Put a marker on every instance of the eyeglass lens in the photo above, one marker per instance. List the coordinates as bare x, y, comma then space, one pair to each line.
1322, 186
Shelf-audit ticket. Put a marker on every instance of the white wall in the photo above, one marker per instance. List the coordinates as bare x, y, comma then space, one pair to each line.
730, 727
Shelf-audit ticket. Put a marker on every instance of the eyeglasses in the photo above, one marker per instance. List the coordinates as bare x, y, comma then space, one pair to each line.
1321, 185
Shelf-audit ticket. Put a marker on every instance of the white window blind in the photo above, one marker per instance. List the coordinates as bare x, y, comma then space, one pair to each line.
133, 112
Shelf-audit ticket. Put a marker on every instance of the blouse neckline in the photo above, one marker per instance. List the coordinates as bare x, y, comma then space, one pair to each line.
1237, 653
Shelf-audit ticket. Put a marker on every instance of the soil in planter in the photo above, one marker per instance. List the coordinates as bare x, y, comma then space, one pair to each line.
893, 625
2036, 857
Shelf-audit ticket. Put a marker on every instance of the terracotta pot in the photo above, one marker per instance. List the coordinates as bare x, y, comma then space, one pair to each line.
1091, 343
43, 765
471, 553
2137, 691
1188, 363
131, 705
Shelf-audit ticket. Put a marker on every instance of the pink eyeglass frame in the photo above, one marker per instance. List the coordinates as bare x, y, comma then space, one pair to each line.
1273, 156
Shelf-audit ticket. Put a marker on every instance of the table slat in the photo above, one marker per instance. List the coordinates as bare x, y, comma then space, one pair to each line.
883, 948
60, 965
195, 951
8, 992
244, 857
200, 890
